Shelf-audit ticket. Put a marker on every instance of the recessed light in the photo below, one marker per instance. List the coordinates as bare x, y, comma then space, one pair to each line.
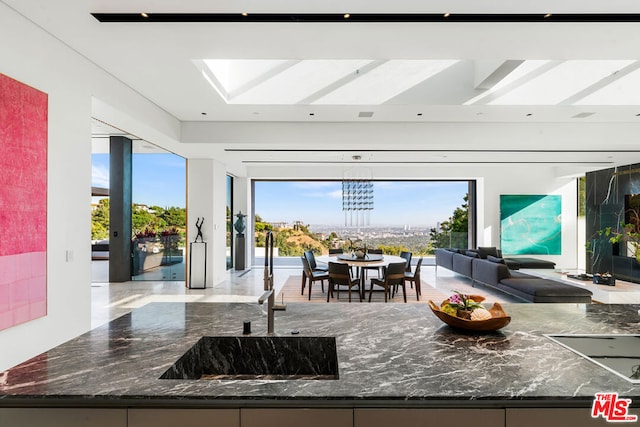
638, 115
419, 114
144, 15
446, 15
312, 114
203, 113
347, 15
548, 15
356, 157
244, 14
529, 114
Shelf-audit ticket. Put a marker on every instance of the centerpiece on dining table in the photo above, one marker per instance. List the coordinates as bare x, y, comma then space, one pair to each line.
357, 251
466, 312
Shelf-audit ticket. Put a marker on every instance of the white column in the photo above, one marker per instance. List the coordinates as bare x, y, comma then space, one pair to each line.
206, 190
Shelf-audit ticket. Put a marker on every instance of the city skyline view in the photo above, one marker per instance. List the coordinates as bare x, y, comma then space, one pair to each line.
396, 203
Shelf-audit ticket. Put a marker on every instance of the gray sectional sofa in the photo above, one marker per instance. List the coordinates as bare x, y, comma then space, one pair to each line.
493, 271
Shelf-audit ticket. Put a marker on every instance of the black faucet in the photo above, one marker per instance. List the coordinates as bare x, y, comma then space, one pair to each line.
269, 294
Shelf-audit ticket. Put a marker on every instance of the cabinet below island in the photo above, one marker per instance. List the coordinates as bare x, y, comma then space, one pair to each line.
296, 417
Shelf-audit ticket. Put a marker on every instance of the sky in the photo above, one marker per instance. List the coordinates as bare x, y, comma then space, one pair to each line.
397, 203
158, 179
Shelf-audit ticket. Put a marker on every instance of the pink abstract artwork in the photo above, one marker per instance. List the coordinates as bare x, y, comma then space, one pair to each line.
23, 203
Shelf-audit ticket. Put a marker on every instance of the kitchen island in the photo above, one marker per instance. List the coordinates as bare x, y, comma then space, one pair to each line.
391, 357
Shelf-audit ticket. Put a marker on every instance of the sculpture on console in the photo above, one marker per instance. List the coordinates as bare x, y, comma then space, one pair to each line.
240, 224
199, 222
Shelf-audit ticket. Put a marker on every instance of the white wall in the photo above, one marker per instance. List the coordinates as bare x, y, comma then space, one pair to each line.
33, 57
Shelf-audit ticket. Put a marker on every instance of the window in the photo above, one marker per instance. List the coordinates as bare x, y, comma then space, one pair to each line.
229, 222
417, 216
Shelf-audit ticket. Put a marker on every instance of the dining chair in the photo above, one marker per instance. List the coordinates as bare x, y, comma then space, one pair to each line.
414, 277
407, 256
372, 267
311, 258
393, 275
338, 251
340, 275
312, 276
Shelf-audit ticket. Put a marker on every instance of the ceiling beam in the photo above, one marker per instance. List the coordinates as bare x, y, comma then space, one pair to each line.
262, 78
489, 96
214, 82
341, 82
601, 84
489, 73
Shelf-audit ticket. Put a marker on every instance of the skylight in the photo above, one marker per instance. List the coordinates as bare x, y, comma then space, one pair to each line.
370, 82
560, 83
385, 82
234, 74
299, 82
624, 91
339, 82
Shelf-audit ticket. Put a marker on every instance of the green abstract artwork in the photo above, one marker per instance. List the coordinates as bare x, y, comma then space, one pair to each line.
531, 224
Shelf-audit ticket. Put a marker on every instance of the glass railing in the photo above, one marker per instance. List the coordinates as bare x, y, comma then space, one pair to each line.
158, 258
458, 240
423, 247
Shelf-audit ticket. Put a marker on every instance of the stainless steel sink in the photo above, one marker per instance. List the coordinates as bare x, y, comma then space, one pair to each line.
251, 358
618, 353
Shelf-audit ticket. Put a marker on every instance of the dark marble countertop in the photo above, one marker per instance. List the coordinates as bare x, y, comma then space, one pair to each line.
396, 354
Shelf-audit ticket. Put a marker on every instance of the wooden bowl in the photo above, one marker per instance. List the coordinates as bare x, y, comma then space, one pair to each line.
498, 320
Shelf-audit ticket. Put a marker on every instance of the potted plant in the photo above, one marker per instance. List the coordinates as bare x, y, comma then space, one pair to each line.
629, 234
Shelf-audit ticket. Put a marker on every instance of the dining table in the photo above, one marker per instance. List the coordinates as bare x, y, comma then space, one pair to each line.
369, 260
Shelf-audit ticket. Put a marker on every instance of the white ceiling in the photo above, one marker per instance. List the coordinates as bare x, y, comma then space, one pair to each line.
327, 73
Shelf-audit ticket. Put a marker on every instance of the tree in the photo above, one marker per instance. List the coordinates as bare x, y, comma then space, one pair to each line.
393, 250
99, 232
453, 233
142, 219
259, 227
100, 221
174, 216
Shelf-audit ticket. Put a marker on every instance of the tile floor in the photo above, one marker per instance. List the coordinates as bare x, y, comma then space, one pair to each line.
112, 300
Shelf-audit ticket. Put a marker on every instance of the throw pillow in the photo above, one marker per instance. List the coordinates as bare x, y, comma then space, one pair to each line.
487, 250
472, 254
495, 259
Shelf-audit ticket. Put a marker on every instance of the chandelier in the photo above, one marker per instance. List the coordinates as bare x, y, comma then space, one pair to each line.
357, 197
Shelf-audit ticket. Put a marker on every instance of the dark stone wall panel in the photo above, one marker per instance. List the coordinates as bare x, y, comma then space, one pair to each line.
605, 204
